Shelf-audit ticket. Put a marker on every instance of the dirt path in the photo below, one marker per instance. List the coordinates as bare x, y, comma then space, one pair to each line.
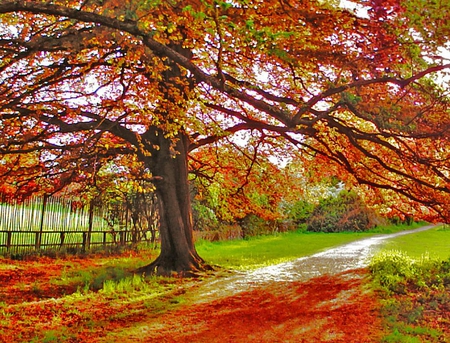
320, 298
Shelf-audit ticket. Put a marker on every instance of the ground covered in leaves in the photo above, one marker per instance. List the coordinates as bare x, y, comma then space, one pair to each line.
71, 300
63, 300
323, 309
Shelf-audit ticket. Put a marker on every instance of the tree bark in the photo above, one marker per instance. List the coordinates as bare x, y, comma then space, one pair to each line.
178, 253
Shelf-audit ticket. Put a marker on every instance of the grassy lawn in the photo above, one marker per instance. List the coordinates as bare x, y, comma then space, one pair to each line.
434, 242
266, 250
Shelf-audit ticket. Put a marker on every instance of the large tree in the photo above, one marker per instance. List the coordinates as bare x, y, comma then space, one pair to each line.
83, 81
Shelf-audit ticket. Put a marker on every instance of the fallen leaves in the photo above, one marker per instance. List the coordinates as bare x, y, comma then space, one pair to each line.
328, 308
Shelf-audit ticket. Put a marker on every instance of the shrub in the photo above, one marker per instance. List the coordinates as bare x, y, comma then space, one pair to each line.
223, 232
299, 212
203, 216
252, 226
394, 270
344, 212
415, 296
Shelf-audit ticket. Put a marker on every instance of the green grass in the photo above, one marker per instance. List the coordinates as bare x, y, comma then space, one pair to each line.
266, 250
94, 277
434, 242
393, 228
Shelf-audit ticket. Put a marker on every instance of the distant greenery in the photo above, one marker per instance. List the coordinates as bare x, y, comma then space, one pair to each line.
393, 228
300, 211
266, 250
415, 296
339, 210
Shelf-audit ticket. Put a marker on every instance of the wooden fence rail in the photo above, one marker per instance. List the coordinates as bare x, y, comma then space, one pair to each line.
51, 222
21, 240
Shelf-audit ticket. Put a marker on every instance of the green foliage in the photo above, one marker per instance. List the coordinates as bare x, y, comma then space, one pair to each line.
406, 334
395, 270
392, 269
406, 220
344, 212
299, 212
410, 288
204, 217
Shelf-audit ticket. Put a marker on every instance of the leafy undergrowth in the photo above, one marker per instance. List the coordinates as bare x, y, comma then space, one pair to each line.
78, 299
416, 296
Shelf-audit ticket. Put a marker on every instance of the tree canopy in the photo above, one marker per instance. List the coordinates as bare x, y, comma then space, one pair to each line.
360, 94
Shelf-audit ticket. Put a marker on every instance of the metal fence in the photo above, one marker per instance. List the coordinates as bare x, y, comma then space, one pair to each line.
41, 223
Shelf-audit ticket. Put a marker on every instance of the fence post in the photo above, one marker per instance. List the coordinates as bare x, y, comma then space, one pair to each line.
134, 234
91, 222
104, 238
41, 226
83, 247
62, 237
8, 240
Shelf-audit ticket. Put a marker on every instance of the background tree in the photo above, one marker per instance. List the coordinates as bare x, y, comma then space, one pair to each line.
237, 181
121, 187
85, 80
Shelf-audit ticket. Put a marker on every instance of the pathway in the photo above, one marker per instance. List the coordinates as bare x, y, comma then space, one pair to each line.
353, 255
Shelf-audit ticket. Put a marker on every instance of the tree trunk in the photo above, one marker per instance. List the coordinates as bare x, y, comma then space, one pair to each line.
178, 252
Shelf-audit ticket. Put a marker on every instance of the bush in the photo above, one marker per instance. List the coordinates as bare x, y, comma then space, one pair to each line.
299, 212
252, 226
222, 233
204, 217
344, 212
415, 295
408, 220
394, 270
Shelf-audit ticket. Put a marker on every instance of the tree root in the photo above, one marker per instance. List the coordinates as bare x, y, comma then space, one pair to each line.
170, 267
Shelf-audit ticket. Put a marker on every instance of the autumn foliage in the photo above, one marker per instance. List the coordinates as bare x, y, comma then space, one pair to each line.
359, 94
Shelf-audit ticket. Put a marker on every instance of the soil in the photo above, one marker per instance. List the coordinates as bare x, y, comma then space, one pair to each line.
322, 298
